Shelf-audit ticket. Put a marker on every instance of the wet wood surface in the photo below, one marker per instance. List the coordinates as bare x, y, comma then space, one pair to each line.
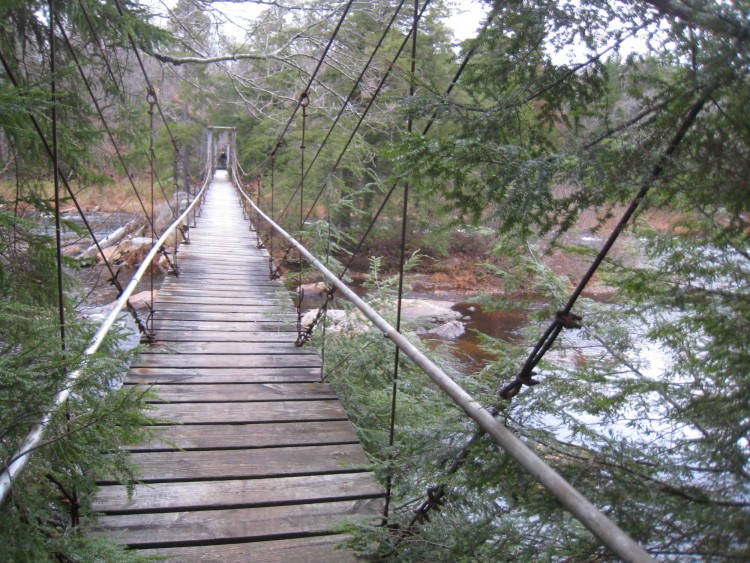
252, 457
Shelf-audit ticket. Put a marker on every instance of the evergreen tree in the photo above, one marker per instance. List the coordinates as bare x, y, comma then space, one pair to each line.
659, 439
49, 505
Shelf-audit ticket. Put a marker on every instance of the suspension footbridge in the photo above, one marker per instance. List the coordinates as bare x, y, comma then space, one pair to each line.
255, 456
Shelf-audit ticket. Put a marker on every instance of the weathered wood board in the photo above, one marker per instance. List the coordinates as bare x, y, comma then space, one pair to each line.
252, 457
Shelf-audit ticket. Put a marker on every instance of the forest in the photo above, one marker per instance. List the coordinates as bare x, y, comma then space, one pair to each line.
579, 165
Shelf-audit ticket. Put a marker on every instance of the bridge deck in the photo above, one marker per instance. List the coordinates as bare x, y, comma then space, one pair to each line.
256, 459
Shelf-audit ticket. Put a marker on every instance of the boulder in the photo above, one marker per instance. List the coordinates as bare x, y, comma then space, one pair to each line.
450, 330
314, 289
134, 250
142, 299
72, 250
426, 309
339, 320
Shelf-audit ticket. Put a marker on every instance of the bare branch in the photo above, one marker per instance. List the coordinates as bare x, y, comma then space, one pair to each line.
169, 59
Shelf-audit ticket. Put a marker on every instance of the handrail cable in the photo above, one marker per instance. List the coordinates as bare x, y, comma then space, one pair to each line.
572, 500
33, 440
74, 199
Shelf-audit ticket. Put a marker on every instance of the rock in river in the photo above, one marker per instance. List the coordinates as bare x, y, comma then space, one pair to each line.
450, 330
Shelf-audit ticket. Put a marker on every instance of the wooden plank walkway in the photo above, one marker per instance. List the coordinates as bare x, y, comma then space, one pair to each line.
257, 460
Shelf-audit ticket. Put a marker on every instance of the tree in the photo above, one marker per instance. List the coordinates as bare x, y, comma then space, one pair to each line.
41, 517
540, 141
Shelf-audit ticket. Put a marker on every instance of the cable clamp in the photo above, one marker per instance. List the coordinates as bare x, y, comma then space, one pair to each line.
569, 320
512, 388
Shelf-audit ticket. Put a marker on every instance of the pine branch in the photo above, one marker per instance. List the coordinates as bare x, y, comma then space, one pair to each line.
702, 19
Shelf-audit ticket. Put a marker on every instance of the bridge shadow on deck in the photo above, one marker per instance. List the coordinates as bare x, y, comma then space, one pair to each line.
258, 460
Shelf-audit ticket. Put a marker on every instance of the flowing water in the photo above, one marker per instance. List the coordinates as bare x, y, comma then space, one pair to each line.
466, 351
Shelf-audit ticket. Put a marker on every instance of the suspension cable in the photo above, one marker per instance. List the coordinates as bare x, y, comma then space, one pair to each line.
258, 197
104, 121
374, 219
149, 86
565, 318
401, 267
304, 101
314, 74
154, 175
56, 171
74, 199
99, 46
151, 100
360, 244
353, 90
382, 82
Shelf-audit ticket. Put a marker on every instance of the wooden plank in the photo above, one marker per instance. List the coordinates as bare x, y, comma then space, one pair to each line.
270, 374
193, 348
208, 316
260, 281
226, 360
228, 436
240, 258
229, 326
233, 392
197, 465
222, 336
239, 309
241, 524
236, 493
188, 289
302, 550
245, 300
233, 413
246, 272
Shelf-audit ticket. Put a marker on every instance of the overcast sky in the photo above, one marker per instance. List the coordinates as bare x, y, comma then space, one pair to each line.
467, 19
